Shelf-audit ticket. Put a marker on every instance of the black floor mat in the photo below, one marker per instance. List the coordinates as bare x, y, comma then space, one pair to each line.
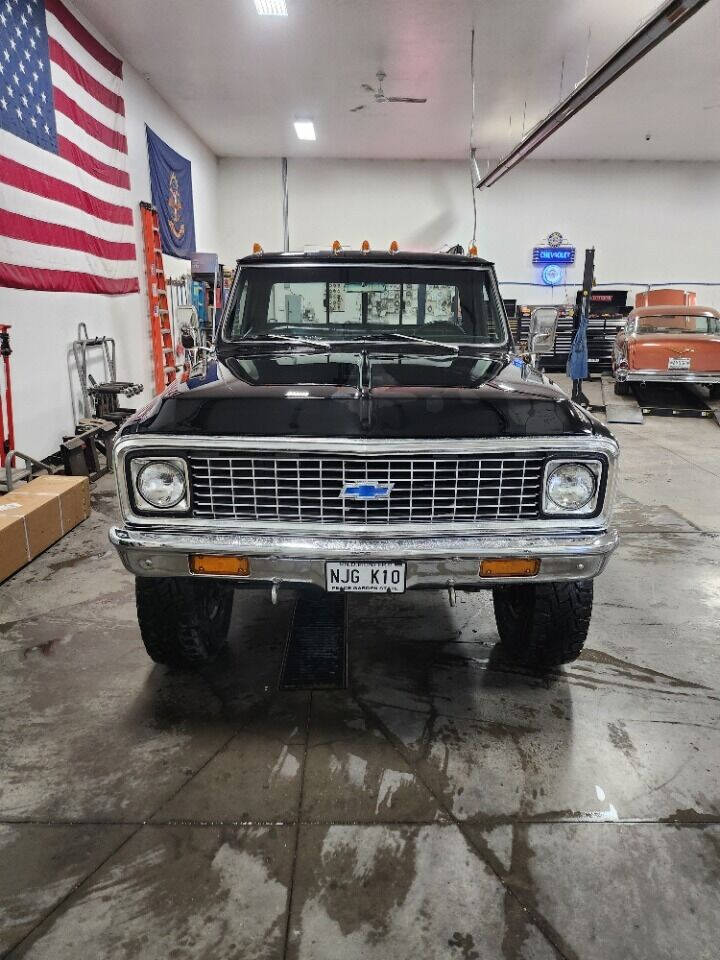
315, 654
666, 399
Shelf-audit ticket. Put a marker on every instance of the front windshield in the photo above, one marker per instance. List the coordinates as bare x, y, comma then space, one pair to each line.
678, 324
336, 303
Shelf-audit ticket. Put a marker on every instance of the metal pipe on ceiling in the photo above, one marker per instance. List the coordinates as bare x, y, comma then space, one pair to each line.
659, 25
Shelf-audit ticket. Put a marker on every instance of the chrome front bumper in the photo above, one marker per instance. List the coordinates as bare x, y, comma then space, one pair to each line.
623, 375
432, 562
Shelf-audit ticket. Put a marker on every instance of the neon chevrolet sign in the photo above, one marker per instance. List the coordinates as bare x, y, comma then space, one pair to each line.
560, 255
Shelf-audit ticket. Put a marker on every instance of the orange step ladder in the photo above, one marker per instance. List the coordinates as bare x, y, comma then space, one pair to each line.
160, 326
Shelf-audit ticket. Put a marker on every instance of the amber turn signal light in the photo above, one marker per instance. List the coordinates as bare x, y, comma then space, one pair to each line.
509, 567
215, 566
257, 248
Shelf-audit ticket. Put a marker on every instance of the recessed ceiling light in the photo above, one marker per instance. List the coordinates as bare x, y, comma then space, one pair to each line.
271, 8
305, 130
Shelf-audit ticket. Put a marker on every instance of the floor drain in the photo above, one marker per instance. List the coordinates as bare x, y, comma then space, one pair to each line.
315, 654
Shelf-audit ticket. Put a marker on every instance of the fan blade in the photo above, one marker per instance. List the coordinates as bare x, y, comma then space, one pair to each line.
406, 99
355, 109
366, 86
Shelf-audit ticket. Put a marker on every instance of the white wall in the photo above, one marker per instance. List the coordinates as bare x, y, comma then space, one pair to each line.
45, 324
649, 222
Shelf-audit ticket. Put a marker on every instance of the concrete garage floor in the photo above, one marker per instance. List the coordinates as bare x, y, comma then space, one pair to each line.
445, 806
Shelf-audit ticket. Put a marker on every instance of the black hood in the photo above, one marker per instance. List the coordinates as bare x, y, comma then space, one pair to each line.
374, 393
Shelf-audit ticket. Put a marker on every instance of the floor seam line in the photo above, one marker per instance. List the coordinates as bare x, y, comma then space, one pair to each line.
81, 883
500, 820
674, 453
78, 886
226, 743
298, 823
538, 921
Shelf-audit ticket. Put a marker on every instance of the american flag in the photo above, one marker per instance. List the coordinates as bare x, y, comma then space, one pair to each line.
65, 219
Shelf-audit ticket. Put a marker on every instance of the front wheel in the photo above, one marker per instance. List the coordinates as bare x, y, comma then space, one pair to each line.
183, 622
545, 624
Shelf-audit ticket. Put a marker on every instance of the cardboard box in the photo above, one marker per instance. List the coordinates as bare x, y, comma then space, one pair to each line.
38, 514
74, 495
14, 552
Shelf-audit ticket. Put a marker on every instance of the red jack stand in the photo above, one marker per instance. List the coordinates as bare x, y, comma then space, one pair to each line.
7, 428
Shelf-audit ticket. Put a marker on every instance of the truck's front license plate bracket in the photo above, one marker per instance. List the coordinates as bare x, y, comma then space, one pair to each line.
364, 577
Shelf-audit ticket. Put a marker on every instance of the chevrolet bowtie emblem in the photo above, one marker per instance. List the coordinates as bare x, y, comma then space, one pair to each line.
366, 490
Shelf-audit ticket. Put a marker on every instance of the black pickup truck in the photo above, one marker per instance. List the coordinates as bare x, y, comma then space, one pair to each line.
364, 423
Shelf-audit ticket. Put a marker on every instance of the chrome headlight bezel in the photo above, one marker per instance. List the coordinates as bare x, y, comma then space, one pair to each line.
143, 506
595, 466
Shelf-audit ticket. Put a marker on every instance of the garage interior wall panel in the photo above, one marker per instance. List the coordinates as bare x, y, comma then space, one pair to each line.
45, 324
649, 222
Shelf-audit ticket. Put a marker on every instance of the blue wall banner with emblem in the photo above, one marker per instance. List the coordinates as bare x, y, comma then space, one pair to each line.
171, 186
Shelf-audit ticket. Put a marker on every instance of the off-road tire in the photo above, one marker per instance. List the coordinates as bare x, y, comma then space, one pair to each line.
622, 389
543, 625
183, 622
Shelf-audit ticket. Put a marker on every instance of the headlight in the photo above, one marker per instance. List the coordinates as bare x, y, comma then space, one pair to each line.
161, 484
571, 486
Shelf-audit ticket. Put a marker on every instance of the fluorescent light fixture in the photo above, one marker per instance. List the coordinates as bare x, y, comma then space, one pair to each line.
305, 130
660, 24
271, 8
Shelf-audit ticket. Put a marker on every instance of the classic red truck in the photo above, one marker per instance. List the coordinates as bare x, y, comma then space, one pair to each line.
672, 344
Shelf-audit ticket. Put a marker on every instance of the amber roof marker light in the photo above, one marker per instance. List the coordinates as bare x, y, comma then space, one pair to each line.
472, 252
365, 246
257, 250
394, 247
337, 246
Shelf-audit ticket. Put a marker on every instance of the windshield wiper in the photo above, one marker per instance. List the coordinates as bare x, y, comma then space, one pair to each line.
259, 337
390, 335
325, 344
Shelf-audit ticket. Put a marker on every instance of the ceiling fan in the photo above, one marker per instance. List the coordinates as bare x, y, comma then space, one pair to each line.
379, 94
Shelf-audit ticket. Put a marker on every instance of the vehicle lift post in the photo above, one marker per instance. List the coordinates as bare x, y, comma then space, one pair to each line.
588, 277
7, 440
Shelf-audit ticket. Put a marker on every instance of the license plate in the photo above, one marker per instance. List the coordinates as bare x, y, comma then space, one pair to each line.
679, 363
365, 577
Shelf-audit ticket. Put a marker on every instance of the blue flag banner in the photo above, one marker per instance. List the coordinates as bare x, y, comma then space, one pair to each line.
171, 186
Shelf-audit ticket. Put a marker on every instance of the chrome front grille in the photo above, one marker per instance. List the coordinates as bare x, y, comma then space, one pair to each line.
307, 487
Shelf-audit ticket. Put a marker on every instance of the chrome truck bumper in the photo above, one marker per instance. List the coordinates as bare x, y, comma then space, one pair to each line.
624, 375
437, 562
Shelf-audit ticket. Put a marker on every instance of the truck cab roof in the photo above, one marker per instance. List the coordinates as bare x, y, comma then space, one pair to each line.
362, 258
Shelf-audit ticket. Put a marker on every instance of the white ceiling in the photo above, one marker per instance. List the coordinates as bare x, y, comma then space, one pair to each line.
239, 80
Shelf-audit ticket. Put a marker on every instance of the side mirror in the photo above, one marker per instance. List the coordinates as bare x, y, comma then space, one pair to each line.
542, 330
